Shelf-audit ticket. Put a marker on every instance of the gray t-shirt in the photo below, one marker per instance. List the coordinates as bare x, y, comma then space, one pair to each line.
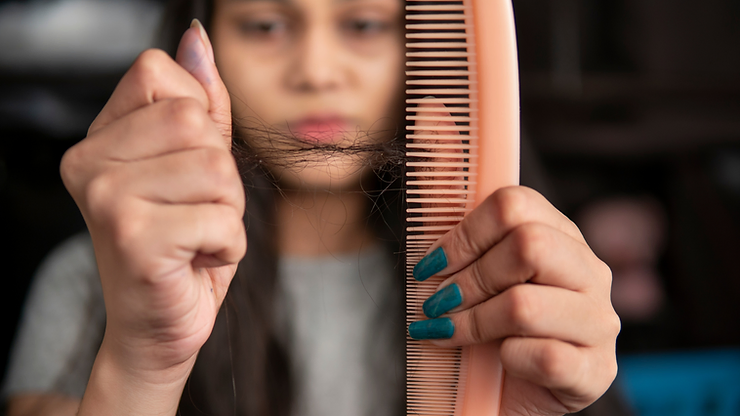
61, 325
337, 317
339, 320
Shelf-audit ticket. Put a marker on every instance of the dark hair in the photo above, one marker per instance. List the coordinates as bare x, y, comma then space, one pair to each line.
242, 369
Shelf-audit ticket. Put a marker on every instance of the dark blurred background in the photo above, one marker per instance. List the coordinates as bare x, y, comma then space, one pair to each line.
631, 121
634, 109
59, 63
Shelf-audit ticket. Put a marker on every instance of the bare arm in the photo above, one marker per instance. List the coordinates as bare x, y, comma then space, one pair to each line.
160, 193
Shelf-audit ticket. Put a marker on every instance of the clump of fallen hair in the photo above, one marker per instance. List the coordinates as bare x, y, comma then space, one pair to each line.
382, 151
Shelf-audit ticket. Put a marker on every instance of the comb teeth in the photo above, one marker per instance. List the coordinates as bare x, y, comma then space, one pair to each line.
441, 153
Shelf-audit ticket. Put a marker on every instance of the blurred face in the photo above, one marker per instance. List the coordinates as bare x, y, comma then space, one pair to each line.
312, 72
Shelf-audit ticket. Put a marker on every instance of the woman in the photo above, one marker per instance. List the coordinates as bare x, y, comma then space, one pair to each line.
312, 88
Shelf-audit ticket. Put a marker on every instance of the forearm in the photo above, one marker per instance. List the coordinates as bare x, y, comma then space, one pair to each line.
114, 390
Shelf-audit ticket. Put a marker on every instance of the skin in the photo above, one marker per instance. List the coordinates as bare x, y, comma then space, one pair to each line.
313, 58
162, 198
528, 277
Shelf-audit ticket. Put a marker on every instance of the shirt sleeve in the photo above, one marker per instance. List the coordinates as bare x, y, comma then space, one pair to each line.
61, 326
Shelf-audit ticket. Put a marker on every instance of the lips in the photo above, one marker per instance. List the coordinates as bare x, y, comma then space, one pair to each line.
324, 129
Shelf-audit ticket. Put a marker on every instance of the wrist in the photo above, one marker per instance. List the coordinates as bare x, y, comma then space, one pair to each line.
117, 389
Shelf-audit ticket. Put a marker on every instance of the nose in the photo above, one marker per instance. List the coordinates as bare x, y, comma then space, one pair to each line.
317, 62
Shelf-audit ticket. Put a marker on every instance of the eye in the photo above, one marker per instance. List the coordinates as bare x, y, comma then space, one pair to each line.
365, 27
264, 27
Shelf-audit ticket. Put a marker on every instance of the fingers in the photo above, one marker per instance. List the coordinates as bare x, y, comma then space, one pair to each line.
195, 54
162, 138
159, 240
533, 252
154, 76
214, 230
192, 176
571, 373
533, 311
488, 224
204, 175
548, 363
165, 126
162, 197
158, 107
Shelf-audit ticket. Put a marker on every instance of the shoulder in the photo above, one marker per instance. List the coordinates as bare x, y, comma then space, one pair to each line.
67, 277
61, 324
73, 259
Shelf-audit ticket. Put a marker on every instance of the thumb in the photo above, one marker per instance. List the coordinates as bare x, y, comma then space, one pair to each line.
195, 54
437, 159
437, 183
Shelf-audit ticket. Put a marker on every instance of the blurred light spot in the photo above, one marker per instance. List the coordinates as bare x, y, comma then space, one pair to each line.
87, 34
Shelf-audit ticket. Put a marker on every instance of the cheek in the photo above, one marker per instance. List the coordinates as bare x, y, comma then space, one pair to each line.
384, 84
251, 81
252, 85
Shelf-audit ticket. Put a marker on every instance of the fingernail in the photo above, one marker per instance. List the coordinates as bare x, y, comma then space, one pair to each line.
441, 328
441, 302
204, 37
430, 265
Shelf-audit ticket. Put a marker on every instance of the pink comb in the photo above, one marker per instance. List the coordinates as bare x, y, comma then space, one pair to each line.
463, 113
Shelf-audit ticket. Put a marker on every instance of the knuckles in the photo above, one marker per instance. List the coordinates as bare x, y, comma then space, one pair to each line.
101, 198
613, 324
128, 231
523, 309
604, 272
238, 239
510, 204
222, 174
530, 243
111, 210
220, 166
612, 369
104, 181
188, 119
149, 68
508, 207
557, 363
70, 168
186, 116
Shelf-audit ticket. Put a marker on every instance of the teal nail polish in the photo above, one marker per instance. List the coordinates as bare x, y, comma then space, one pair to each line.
441, 328
430, 265
444, 300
